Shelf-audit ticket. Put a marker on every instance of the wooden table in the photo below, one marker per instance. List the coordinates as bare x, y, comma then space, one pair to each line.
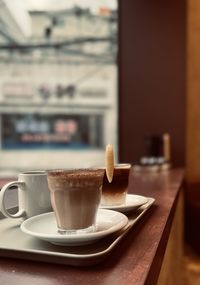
141, 257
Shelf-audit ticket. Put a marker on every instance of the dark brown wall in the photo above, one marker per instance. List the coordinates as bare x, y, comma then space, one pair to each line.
151, 75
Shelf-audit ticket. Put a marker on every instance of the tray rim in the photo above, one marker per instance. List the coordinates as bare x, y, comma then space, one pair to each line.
15, 253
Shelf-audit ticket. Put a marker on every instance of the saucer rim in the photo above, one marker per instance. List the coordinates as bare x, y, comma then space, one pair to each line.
124, 207
74, 237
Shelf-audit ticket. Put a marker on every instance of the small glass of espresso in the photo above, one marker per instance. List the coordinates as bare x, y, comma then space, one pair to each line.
75, 198
114, 193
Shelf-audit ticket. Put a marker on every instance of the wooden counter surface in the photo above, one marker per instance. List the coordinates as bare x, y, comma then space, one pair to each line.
136, 260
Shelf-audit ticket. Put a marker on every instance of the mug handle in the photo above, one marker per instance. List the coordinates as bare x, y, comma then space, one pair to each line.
21, 212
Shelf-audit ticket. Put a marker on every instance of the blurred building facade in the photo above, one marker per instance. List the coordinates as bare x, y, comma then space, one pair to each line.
58, 88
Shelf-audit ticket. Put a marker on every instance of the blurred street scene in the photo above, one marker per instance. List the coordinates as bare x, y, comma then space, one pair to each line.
58, 83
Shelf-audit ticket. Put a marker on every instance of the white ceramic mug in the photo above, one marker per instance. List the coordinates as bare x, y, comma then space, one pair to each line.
33, 195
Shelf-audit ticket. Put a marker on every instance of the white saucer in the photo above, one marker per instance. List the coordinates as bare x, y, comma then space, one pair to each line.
44, 227
132, 202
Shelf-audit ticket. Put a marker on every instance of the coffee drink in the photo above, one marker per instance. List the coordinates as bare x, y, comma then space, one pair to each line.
75, 198
114, 193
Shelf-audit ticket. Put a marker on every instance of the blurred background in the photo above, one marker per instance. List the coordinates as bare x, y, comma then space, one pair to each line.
58, 83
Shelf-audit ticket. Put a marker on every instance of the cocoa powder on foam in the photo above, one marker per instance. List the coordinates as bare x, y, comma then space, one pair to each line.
77, 177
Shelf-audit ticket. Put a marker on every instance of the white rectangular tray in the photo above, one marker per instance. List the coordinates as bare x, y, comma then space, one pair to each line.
14, 243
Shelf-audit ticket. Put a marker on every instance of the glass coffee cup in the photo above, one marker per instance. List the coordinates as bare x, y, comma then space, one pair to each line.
75, 198
114, 193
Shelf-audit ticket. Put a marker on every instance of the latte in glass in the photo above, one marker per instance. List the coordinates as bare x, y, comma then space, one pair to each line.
75, 198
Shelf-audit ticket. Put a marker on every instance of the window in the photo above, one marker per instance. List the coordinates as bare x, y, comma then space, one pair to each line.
58, 80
